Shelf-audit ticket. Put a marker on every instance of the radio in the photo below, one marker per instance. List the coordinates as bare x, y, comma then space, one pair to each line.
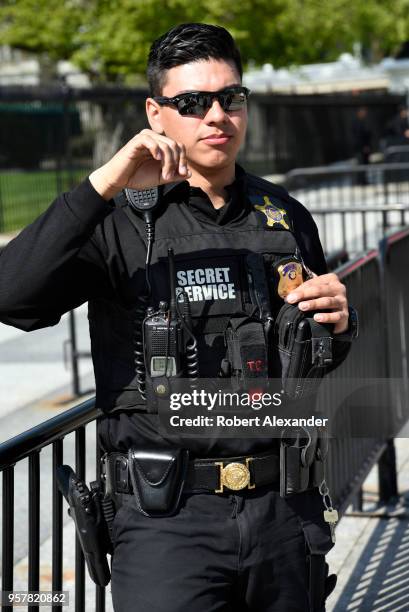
170, 347
164, 342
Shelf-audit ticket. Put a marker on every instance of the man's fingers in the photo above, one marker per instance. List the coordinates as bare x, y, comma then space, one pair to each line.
323, 303
175, 163
324, 279
320, 293
169, 161
305, 293
143, 142
316, 287
331, 317
183, 169
171, 154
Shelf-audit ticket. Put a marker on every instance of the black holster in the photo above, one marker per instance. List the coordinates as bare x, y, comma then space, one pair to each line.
87, 511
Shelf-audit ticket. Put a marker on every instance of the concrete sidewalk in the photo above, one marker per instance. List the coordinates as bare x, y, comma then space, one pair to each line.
371, 555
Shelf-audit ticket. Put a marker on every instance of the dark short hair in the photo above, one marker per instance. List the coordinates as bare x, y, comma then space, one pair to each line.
189, 42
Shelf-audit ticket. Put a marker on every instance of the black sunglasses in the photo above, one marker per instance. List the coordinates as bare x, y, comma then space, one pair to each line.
198, 102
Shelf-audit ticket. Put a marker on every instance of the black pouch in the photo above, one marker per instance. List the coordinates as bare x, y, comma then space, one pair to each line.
246, 350
305, 350
158, 478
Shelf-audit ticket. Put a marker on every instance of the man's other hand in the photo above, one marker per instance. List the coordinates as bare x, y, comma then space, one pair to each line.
325, 292
149, 159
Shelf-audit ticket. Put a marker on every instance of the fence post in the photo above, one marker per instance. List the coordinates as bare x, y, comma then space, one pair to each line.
68, 164
74, 354
387, 475
358, 501
2, 218
8, 533
388, 482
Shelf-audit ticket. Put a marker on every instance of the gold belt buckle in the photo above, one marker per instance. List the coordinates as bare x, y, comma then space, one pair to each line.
234, 476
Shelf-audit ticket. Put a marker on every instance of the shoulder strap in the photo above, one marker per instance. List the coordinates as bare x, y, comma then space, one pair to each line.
258, 183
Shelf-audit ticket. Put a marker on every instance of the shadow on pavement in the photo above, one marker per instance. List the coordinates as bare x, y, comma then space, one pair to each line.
380, 580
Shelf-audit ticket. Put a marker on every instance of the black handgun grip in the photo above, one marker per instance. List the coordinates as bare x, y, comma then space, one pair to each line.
88, 523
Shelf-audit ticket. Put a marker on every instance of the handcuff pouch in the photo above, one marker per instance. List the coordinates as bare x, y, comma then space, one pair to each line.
157, 479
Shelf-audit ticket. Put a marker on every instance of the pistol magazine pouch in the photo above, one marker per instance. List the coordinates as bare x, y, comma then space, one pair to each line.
157, 479
305, 350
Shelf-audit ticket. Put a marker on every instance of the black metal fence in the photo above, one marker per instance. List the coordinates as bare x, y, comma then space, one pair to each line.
354, 206
29, 445
351, 458
375, 288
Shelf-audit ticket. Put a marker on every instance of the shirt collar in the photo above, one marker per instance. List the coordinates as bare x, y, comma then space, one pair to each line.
199, 202
238, 182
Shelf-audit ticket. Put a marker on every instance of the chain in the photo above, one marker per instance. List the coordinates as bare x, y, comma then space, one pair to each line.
326, 497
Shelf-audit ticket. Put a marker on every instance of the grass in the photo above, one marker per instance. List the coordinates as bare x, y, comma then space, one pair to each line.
24, 195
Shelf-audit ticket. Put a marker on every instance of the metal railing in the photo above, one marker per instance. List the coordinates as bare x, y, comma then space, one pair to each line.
359, 228
350, 185
375, 288
29, 445
354, 205
351, 458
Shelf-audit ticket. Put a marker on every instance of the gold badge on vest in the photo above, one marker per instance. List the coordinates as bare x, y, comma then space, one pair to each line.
274, 214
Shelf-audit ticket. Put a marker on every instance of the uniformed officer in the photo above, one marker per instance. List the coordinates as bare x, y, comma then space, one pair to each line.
221, 548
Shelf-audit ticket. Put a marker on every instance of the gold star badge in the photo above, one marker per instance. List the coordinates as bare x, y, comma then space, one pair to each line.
274, 215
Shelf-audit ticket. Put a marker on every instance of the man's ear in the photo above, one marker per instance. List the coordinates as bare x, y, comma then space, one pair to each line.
153, 112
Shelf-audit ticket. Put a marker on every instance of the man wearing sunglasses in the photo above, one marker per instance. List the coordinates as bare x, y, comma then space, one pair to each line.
243, 547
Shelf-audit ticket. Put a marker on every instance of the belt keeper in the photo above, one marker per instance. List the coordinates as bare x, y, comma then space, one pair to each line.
106, 477
115, 473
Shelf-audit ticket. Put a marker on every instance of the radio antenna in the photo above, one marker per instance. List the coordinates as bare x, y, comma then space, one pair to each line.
172, 283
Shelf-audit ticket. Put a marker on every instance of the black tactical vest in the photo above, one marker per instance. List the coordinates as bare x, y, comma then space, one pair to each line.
210, 270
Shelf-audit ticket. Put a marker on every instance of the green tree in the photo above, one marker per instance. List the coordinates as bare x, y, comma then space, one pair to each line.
110, 40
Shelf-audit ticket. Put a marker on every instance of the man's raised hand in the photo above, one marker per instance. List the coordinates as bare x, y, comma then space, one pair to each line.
147, 160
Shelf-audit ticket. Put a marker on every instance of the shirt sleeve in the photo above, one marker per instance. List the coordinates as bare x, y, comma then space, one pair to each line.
55, 264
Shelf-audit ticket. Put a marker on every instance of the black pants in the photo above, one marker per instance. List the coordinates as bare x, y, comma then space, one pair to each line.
221, 553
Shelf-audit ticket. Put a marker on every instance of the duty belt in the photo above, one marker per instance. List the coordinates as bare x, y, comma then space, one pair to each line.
210, 475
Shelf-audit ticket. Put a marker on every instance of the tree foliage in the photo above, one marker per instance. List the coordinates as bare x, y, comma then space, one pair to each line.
110, 39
